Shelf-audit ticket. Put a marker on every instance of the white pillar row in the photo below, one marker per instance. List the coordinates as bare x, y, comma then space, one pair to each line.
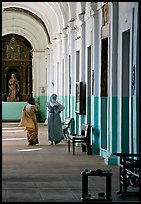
36, 73
71, 46
53, 70
47, 68
59, 77
113, 72
95, 49
65, 66
50, 71
82, 57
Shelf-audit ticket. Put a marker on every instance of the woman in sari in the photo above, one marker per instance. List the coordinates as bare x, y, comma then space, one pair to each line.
55, 131
29, 121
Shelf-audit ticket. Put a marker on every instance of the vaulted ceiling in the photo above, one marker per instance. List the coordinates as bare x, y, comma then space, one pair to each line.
52, 16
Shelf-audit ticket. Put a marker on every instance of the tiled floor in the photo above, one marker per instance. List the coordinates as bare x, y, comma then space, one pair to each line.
46, 173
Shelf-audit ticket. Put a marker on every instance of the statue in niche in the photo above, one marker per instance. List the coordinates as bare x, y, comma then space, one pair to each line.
14, 89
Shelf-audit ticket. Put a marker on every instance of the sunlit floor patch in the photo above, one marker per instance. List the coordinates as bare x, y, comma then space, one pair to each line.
29, 150
12, 130
18, 138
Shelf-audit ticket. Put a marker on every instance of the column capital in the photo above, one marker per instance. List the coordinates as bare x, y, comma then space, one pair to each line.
71, 23
81, 16
49, 47
65, 31
59, 35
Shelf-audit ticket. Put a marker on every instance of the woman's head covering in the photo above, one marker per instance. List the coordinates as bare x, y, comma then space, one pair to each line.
31, 100
53, 101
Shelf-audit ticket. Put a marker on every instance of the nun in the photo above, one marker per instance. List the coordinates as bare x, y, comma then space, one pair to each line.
55, 131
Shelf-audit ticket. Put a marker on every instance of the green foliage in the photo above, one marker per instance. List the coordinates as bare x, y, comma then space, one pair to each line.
38, 107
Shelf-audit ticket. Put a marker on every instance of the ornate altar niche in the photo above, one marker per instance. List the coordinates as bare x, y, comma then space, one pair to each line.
17, 60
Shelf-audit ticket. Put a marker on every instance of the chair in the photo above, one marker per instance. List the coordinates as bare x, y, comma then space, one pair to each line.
84, 139
128, 174
66, 127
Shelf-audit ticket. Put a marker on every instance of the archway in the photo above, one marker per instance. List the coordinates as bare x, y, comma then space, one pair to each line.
17, 60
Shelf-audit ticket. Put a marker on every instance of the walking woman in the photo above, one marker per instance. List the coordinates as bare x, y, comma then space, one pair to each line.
55, 131
29, 121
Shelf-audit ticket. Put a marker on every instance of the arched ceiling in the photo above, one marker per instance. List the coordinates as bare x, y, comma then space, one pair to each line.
53, 16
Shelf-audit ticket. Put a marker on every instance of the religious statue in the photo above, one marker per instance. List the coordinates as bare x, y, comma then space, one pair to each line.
14, 89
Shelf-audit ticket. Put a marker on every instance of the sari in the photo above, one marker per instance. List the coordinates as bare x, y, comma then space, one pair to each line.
29, 121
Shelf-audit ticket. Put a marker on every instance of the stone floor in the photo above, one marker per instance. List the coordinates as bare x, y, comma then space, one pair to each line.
46, 173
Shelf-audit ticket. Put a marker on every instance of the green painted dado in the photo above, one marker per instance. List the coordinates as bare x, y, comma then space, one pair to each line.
72, 113
65, 101
88, 109
125, 125
95, 127
11, 111
114, 124
72, 107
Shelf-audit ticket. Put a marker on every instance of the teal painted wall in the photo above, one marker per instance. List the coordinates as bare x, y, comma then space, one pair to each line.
72, 112
95, 127
125, 125
11, 111
111, 136
65, 113
103, 123
72, 106
114, 124
88, 108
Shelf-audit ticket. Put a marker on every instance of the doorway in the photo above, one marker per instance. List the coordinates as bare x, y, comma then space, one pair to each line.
104, 65
125, 91
17, 60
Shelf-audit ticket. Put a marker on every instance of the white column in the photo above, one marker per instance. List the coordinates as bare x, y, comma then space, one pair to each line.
66, 67
58, 56
50, 71
82, 52
36, 73
53, 70
71, 47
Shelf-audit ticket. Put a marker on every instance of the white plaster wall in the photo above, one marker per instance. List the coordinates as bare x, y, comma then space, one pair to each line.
125, 23
71, 51
66, 77
89, 42
50, 71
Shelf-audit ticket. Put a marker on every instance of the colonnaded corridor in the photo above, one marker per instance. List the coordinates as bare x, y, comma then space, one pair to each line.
45, 173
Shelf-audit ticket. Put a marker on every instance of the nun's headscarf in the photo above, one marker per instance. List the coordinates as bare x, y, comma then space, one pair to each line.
53, 102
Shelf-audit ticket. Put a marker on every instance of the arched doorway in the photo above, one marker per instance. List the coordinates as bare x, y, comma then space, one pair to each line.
17, 60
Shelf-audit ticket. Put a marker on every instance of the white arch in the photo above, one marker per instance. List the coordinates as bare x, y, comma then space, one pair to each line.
51, 13
72, 10
26, 26
63, 6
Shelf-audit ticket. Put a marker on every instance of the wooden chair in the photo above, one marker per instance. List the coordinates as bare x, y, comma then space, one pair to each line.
66, 127
84, 139
129, 173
